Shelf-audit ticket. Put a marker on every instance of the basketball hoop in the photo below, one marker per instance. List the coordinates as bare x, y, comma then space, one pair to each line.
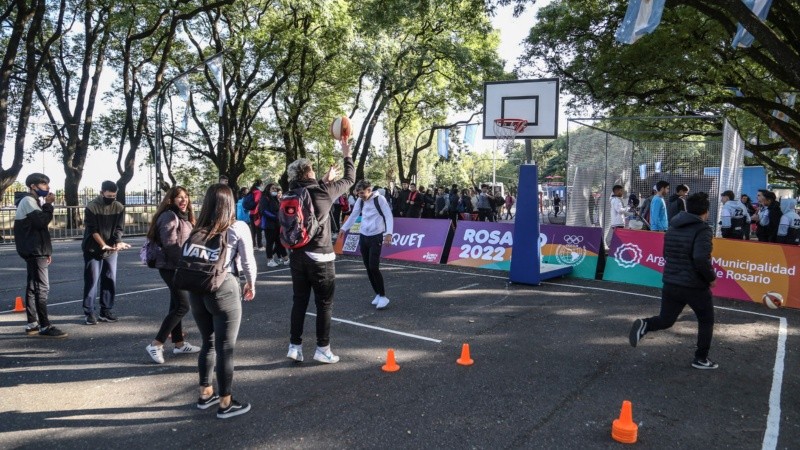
506, 130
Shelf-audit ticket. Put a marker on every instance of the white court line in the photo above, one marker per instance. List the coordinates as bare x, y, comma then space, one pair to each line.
771, 434
466, 287
349, 322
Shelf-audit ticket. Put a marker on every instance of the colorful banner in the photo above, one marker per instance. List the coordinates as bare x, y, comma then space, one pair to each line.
486, 245
578, 247
420, 240
746, 270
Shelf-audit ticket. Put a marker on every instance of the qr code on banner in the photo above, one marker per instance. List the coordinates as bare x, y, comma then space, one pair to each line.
351, 243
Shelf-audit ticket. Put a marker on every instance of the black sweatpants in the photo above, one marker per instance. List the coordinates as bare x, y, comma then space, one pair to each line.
37, 290
308, 275
218, 316
274, 246
178, 307
673, 299
370, 247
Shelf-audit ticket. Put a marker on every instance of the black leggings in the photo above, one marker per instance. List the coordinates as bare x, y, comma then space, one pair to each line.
218, 316
308, 275
274, 246
370, 247
673, 300
178, 308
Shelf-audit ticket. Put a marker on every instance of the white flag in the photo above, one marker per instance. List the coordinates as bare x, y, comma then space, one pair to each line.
642, 17
742, 38
787, 99
182, 84
643, 171
215, 66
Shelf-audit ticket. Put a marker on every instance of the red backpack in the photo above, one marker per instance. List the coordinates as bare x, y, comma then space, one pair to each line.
297, 219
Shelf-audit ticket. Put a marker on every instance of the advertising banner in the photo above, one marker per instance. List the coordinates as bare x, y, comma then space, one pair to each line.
486, 245
746, 270
578, 247
420, 240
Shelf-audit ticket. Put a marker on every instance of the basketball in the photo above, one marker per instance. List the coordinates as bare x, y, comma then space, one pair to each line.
773, 300
340, 128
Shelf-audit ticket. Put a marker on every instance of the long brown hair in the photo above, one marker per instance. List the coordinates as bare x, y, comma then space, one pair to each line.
169, 200
219, 210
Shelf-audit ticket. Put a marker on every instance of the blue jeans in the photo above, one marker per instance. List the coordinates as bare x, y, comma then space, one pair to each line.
218, 316
100, 273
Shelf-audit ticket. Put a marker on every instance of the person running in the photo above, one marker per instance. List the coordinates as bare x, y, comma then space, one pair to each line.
270, 204
312, 265
171, 226
219, 314
688, 279
376, 230
104, 220
32, 240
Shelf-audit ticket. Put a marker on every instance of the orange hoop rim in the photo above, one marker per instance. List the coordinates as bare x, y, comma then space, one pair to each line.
515, 125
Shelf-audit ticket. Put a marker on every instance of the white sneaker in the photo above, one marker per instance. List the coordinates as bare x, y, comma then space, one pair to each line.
272, 263
286, 261
187, 348
295, 352
324, 355
382, 302
376, 299
156, 353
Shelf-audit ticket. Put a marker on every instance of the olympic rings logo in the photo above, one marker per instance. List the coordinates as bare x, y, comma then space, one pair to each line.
573, 240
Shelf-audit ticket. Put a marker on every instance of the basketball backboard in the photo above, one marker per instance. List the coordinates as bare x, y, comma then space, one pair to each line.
535, 101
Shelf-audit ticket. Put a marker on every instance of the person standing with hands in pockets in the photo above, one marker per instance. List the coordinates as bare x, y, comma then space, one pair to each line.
376, 230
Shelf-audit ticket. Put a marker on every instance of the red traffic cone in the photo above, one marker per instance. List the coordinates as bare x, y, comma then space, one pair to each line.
18, 305
465, 360
624, 429
391, 364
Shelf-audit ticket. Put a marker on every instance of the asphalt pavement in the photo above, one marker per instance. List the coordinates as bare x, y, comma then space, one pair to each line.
552, 367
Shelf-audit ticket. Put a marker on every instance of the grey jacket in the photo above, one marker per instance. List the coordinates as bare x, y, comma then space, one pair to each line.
172, 233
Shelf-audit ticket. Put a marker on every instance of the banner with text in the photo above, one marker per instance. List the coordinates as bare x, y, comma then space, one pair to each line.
420, 240
486, 245
578, 247
746, 270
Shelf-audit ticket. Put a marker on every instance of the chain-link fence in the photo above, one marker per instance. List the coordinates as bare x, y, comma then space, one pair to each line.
601, 156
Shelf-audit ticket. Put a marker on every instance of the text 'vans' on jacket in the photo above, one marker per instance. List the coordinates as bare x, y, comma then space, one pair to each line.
106, 220
322, 197
687, 250
173, 231
31, 236
789, 227
372, 223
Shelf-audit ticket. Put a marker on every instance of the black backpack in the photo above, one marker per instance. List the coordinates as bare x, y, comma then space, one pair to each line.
201, 267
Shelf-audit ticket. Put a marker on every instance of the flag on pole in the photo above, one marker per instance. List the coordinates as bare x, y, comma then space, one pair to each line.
742, 38
182, 84
443, 143
642, 171
658, 166
469, 134
215, 66
642, 17
787, 98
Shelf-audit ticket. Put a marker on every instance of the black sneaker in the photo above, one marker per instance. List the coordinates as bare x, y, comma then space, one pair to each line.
233, 410
32, 330
91, 319
208, 402
704, 364
52, 332
638, 330
107, 316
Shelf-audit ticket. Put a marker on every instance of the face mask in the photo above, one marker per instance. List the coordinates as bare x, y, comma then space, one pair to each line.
274, 194
42, 193
108, 201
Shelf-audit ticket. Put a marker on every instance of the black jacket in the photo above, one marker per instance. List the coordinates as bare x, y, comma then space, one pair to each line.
106, 220
269, 206
322, 196
769, 233
31, 236
675, 205
687, 250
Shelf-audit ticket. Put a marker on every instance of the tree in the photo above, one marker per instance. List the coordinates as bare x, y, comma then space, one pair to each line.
686, 67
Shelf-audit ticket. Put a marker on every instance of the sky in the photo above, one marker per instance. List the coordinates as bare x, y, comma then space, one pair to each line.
101, 163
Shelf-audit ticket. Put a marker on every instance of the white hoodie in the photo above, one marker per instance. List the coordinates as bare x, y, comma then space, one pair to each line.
371, 221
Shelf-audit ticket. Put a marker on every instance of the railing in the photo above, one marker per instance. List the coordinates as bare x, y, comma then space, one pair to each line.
137, 222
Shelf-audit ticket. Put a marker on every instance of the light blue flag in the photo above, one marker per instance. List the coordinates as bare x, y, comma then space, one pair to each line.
469, 134
742, 38
642, 17
442, 143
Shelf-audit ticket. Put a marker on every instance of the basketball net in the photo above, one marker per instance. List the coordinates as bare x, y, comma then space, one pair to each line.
506, 131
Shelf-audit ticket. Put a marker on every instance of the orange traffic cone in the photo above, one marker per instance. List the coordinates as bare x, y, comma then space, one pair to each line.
391, 365
624, 429
18, 305
465, 360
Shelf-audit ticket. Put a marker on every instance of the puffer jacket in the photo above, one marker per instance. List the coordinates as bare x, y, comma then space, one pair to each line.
172, 233
687, 250
31, 236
